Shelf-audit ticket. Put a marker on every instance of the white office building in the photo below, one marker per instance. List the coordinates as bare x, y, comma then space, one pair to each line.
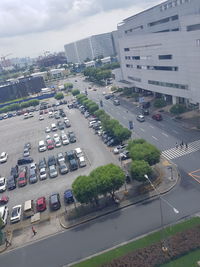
159, 50
90, 48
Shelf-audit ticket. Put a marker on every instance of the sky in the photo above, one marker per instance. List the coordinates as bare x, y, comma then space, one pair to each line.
31, 27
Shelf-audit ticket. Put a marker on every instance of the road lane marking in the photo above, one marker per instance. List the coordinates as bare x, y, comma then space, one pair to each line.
151, 126
175, 131
142, 129
165, 134
154, 138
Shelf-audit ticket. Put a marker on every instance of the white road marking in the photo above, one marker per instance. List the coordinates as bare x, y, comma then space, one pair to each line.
142, 129
151, 126
175, 131
154, 138
165, 134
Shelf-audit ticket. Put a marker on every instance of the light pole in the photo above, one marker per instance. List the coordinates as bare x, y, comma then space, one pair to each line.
164, 247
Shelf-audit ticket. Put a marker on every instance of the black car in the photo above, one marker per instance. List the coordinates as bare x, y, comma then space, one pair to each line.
23, 161
145, 112
61, 125
11, 182
72, 137
70, 155
42, 164
14, 171
54, 201
73, 165
51, 161
68, 196
146, 105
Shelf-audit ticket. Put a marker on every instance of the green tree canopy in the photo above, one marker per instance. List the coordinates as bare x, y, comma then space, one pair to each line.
138, 169
59, 96
75, 92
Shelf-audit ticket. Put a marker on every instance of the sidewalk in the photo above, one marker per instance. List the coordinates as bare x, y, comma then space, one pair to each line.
21, 234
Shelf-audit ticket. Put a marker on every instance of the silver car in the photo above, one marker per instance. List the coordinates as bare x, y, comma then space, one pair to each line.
53, 171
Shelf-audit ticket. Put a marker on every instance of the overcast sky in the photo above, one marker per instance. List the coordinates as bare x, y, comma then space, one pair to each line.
30, 27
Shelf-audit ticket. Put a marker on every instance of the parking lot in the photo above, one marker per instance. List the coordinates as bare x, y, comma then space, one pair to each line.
16, 131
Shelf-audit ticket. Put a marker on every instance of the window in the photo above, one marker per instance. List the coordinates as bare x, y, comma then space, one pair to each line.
162, 57
194, 27
126, 49
174, 17
164, 68
134, 79
136, 57
166, 84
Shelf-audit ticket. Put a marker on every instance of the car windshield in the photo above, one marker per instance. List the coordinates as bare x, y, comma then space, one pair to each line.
15, 212
2, 182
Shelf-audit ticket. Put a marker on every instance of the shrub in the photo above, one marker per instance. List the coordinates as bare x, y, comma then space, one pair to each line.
75, 92
178, 109
138, 169
59, 96
159, 103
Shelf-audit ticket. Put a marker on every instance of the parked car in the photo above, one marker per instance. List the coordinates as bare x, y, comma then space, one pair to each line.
11, 182
116, 102
54, 201
65, 140
60, 157
22, 180
140, 118
63, 169
124, 155
51, 161
47, 130
67, 123
4, 214
27, 145
81, 161
61, 125
42, 164
16, 214
68, 196
53, 171
73, 165
42, 174
32, 176
78, 152
145, 112
3, 157
118, 149
41, 204
14, 171
146, 105
72, 137
50, 144
23, 161
26, 152
57, 142
157, 117
41, 118
3, 184
33, 166
70, 155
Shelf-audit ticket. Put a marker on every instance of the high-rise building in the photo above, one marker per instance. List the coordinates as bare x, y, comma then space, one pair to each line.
159, 50
90, 48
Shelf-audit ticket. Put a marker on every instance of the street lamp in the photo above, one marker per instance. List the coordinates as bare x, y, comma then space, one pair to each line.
164, 247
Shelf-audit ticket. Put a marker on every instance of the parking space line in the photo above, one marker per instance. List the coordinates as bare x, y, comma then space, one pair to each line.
165, 134
154, 138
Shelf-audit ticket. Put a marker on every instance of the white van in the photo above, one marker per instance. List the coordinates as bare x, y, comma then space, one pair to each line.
53, 127
28, 209
4, 214
42, 146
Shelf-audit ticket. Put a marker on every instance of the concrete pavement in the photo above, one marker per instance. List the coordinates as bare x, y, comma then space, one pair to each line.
21, 235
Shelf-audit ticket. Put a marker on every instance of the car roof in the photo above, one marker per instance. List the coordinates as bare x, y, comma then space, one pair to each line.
68, 193
78, 150
3, 153
40, 200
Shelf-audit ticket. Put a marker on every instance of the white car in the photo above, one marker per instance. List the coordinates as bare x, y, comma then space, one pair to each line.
79, 152
55, 136
3, 157
57, 142
60, 157
65, 139
48, 137
30, 115
41, 118
4, 214
43, 174
47, 130
51, 114
82, 162
65, 119
52, 171
16, 214
26, 116
33, 166
2, 184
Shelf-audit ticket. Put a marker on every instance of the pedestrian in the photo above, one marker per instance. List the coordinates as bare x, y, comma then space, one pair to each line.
182, 143
8, 243
176, 145
34, 231
186, 146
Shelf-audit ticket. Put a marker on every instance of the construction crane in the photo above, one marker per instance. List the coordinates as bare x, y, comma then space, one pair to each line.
3, 57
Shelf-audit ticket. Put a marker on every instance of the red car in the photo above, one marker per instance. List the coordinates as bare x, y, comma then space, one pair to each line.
22, 180
50, 144
41, 204
45, 111
157, 117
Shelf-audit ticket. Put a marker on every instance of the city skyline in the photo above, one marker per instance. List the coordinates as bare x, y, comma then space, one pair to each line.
29, 29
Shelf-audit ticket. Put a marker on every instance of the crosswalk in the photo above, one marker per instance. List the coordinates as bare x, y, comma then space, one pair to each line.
174, 152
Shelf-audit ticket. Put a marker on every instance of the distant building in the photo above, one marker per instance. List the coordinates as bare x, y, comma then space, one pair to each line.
52, 60
90, 48
21, 88
159, 50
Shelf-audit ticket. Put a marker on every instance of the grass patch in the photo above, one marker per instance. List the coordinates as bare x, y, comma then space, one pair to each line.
187, 260
140, 243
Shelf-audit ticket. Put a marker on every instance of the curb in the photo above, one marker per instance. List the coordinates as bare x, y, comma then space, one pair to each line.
119, 208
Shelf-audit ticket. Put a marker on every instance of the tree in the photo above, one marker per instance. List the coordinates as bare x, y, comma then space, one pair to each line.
68, 86
160, 103
138, 169
145, 151
75, 92
93, 107
59, 96
85, 189
178, 109
109, 178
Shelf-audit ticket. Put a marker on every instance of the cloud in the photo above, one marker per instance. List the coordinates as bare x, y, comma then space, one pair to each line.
21, 17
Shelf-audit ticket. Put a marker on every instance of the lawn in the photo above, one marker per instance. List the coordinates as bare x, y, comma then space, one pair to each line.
140, 243
187, 260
